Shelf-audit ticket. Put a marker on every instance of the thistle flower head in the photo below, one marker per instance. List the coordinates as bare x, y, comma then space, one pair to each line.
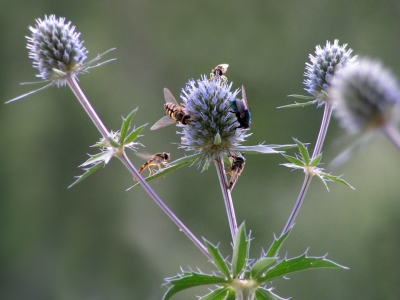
55, 49
367, 96
323, 67
213, 127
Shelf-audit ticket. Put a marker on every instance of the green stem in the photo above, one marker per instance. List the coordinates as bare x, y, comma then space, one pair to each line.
124, 159
307, 179
226, 194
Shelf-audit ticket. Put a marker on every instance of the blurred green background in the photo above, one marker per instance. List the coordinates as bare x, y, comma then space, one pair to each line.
97, 241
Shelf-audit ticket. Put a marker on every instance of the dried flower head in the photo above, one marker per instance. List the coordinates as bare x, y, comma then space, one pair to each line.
55, 49
214, 126
367, 96
323, 67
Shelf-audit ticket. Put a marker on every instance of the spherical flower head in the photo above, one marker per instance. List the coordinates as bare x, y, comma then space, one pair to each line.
55, 49
323, 67
367, 96
213, 127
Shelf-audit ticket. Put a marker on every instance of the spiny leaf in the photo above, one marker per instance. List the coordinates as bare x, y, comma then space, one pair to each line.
302, 97
293, 166
134, 134
94, 159
264, 294
303, 151
321, 177
277, 243
299, 263
338, 179
89, 171
296, 104
316, 160
255, 149
261, 266
189, 279
163, 172
218, 260
187, 159
113, 142
240, 251
294, 160
125, 125
222, 293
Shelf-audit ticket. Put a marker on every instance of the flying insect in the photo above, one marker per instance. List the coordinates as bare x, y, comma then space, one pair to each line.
156, 160
218, 72
175, 112
241, 109
237, 166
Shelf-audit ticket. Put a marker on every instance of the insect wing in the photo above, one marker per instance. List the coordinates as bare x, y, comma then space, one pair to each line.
164, 121
244, 97
169, 98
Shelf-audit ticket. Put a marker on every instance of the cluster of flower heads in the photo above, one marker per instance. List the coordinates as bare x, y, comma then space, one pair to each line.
214, 127
323, 67
55, 49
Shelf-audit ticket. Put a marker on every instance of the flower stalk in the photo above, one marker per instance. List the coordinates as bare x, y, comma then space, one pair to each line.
226, 194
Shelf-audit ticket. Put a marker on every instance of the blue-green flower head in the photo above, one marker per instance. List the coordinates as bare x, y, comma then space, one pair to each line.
55, 49
214, 127
367, 96
323, 66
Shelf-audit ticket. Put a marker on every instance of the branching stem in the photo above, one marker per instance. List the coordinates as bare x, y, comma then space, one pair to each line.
124, 159
317, 150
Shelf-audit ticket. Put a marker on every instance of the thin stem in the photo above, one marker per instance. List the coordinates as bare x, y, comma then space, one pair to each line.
299, 202
73, 84
324, 127
162, 205
392, 134
124, 159
307, 179
226, 194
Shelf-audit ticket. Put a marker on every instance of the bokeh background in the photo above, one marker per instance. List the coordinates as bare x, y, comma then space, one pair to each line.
97, 241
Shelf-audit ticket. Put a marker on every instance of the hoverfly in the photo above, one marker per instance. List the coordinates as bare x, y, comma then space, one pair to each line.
156, 160
237, 166
175, 112
218, 72
241, 109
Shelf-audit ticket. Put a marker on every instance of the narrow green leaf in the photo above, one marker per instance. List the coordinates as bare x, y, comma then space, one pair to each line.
218, 260
296, 104
277, 243
294, 160
222, 293
187, 159
316, 160
162, 172
134, 134
323, 181
299, 263
261, 266
304, 152
293, 166
113, 142
125, 125
338, 179
255, 149
102, 156
89, 171
240, 251
264, 294
188, 280
302, 97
